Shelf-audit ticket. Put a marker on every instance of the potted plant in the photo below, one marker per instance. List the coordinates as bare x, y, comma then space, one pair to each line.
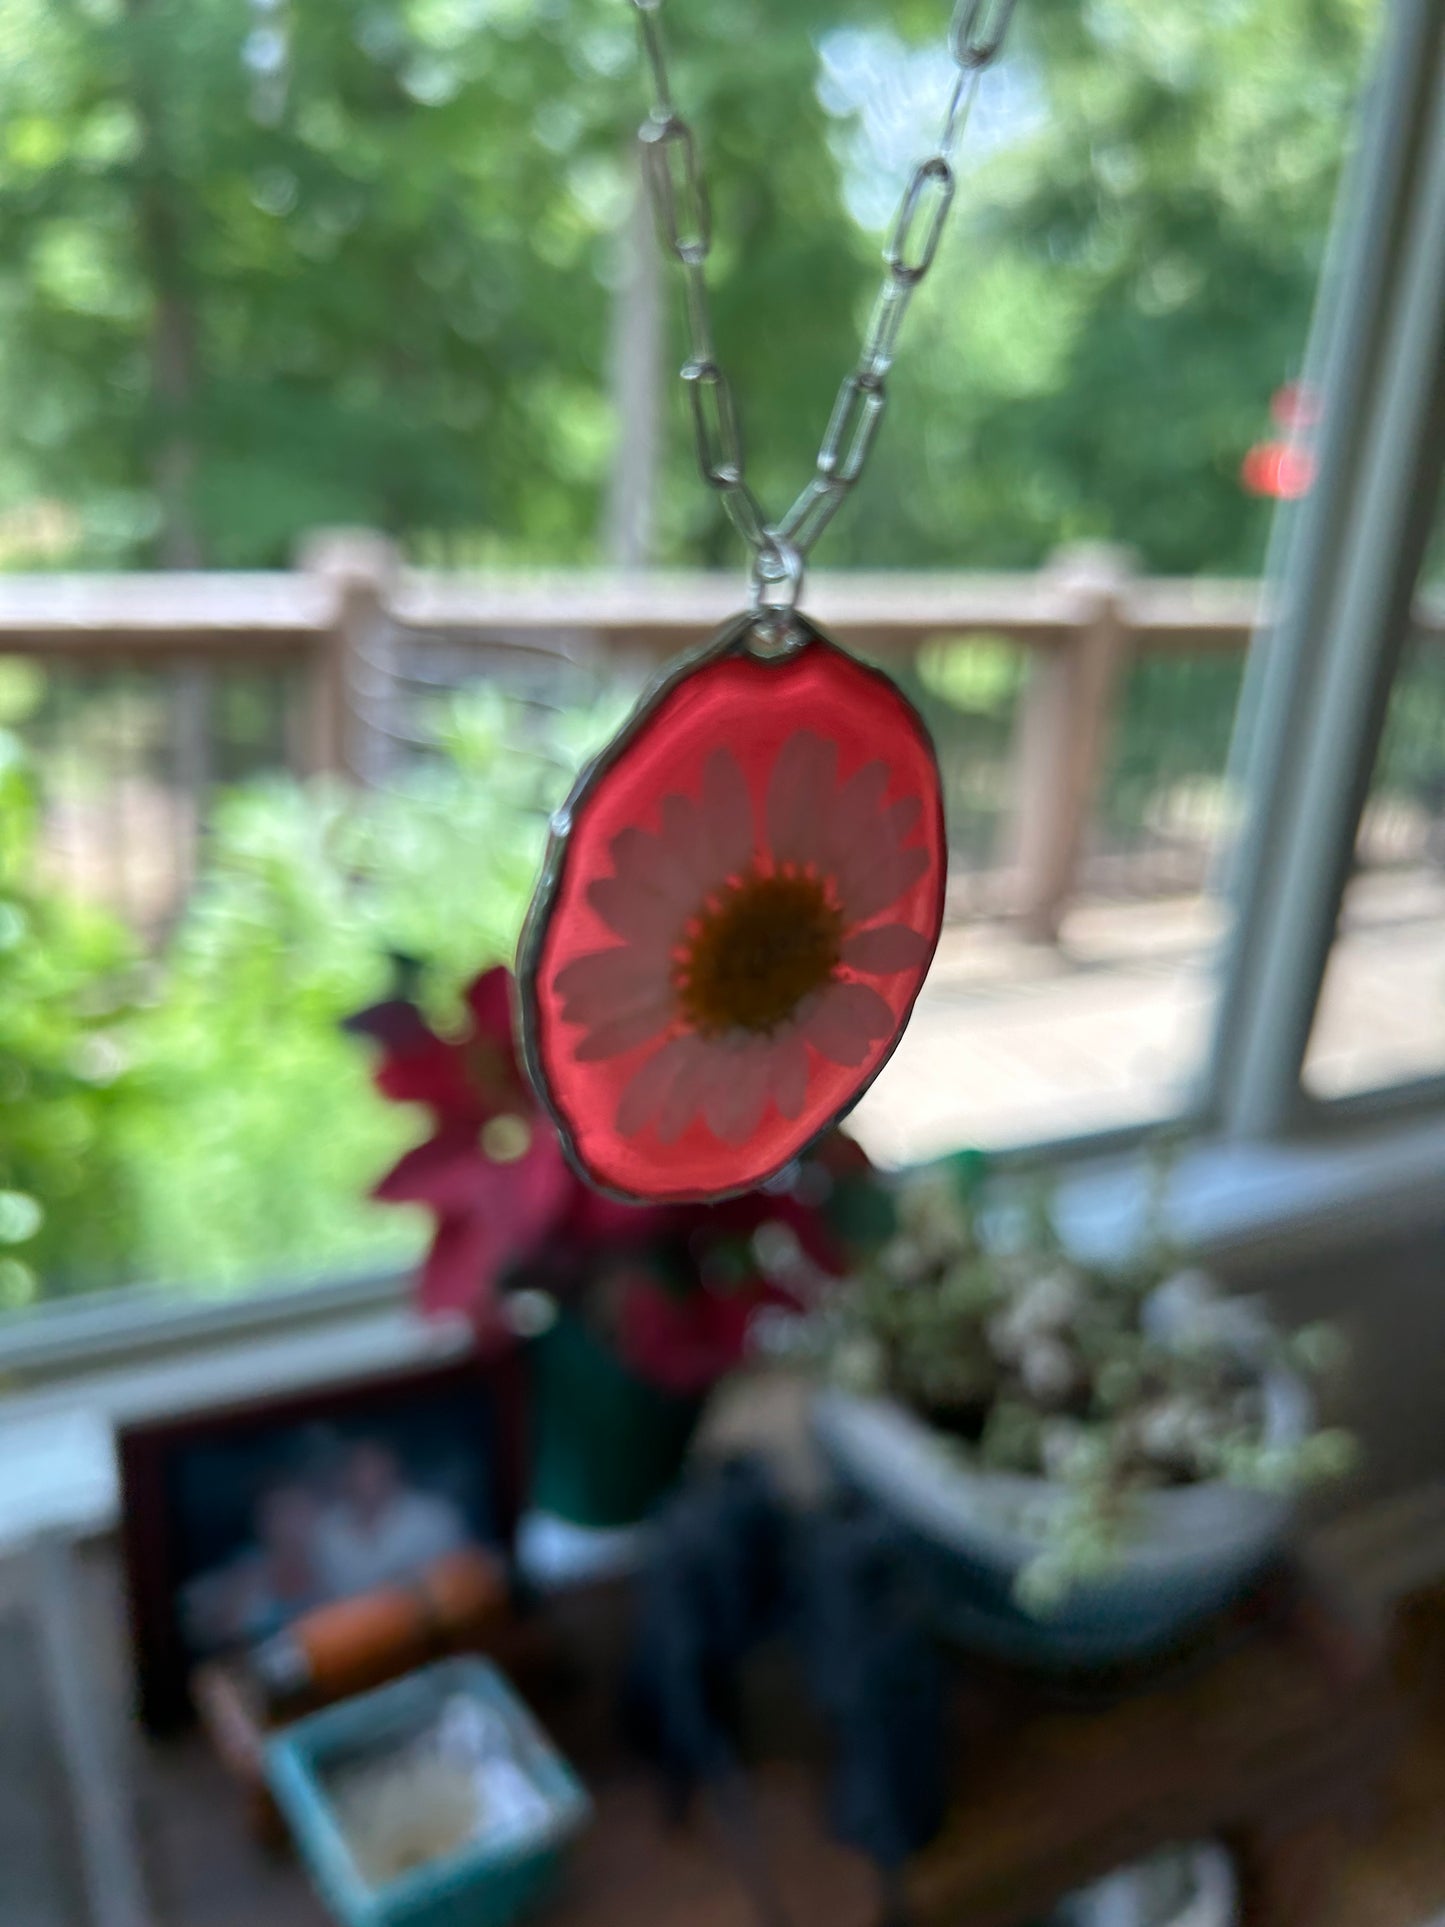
633, 1313
1085, 1462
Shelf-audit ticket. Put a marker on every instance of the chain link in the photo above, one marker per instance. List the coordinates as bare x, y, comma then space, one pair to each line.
678, 191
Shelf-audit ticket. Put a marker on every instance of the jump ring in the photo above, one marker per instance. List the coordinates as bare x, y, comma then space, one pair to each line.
777, 577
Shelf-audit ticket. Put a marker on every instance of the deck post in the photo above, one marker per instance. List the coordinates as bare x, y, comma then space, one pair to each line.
357, 567
1062, 734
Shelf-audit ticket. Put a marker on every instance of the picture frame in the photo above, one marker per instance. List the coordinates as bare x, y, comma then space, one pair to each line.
191, 1485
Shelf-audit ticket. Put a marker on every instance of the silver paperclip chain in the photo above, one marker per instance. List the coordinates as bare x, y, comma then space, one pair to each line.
680, 205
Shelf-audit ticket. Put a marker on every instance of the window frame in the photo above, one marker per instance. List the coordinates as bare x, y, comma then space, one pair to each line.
1348, 559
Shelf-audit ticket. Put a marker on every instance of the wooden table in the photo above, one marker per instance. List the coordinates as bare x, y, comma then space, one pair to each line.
1272, 1735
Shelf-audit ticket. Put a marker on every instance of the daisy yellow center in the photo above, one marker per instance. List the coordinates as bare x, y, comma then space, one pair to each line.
756, 951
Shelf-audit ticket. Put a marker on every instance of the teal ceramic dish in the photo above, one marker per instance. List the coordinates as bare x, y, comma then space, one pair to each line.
1194, 1550
494, 1875
1188, 1553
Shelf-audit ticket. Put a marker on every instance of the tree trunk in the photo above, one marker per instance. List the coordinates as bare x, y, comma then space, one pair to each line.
627, 528
173, 342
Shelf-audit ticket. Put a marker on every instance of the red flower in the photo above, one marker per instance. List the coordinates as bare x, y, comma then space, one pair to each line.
492, 1171
677, 1284
465, 1081
735, 1223
491, 1210
685, 1341
686, 1337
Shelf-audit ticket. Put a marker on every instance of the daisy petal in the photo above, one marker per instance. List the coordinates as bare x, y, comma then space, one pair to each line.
649, 865
639, 916
876, 875
790, 1076
853, 817
886, 949
625, 1033
693, 1073
902, 815
801, 794
733, 1104
710, 840
846, 1022
681, 832
649, 1086
870, 867
726, 817
860, 801
608, 984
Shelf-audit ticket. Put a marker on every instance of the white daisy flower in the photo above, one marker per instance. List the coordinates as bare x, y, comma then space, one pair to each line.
745, 947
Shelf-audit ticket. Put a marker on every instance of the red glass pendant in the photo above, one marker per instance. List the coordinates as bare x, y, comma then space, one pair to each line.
741, 899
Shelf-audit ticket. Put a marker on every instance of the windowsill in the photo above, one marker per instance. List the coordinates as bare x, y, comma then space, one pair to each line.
79, 1335
82, 1369
57, 1454
1263, 1201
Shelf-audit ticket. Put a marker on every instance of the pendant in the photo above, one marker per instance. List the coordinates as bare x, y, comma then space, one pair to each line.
739, 904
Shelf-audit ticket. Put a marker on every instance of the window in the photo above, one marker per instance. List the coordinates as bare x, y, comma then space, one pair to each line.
1145, 897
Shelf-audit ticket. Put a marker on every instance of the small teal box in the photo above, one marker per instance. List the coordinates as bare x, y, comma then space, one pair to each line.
482, 1884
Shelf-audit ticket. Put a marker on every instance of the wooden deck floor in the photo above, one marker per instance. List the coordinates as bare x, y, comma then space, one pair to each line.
1012, 1041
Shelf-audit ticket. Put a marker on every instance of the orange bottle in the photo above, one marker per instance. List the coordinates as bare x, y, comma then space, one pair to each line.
457, 1604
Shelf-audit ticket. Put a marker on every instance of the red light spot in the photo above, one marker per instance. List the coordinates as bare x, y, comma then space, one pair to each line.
1277, 470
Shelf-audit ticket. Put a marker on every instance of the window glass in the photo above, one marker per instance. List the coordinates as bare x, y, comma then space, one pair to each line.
204, 360
1017, 1039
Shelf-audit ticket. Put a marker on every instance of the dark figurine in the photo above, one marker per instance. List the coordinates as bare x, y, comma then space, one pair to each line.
728, 1567
712, 1587
877, 1676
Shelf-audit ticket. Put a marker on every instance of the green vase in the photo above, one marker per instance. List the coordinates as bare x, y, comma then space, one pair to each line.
606, 1445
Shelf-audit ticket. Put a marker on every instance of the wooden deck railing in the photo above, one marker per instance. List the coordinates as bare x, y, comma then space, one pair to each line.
349, 616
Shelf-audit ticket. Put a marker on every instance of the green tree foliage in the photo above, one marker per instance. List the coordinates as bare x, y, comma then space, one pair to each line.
249, 1136
371, 285
1127, 285
263, 268
66, 1210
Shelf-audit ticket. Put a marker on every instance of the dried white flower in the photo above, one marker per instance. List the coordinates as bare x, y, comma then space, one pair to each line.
1045, 1308
858, 1366
1048, 1369
1060, 1443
